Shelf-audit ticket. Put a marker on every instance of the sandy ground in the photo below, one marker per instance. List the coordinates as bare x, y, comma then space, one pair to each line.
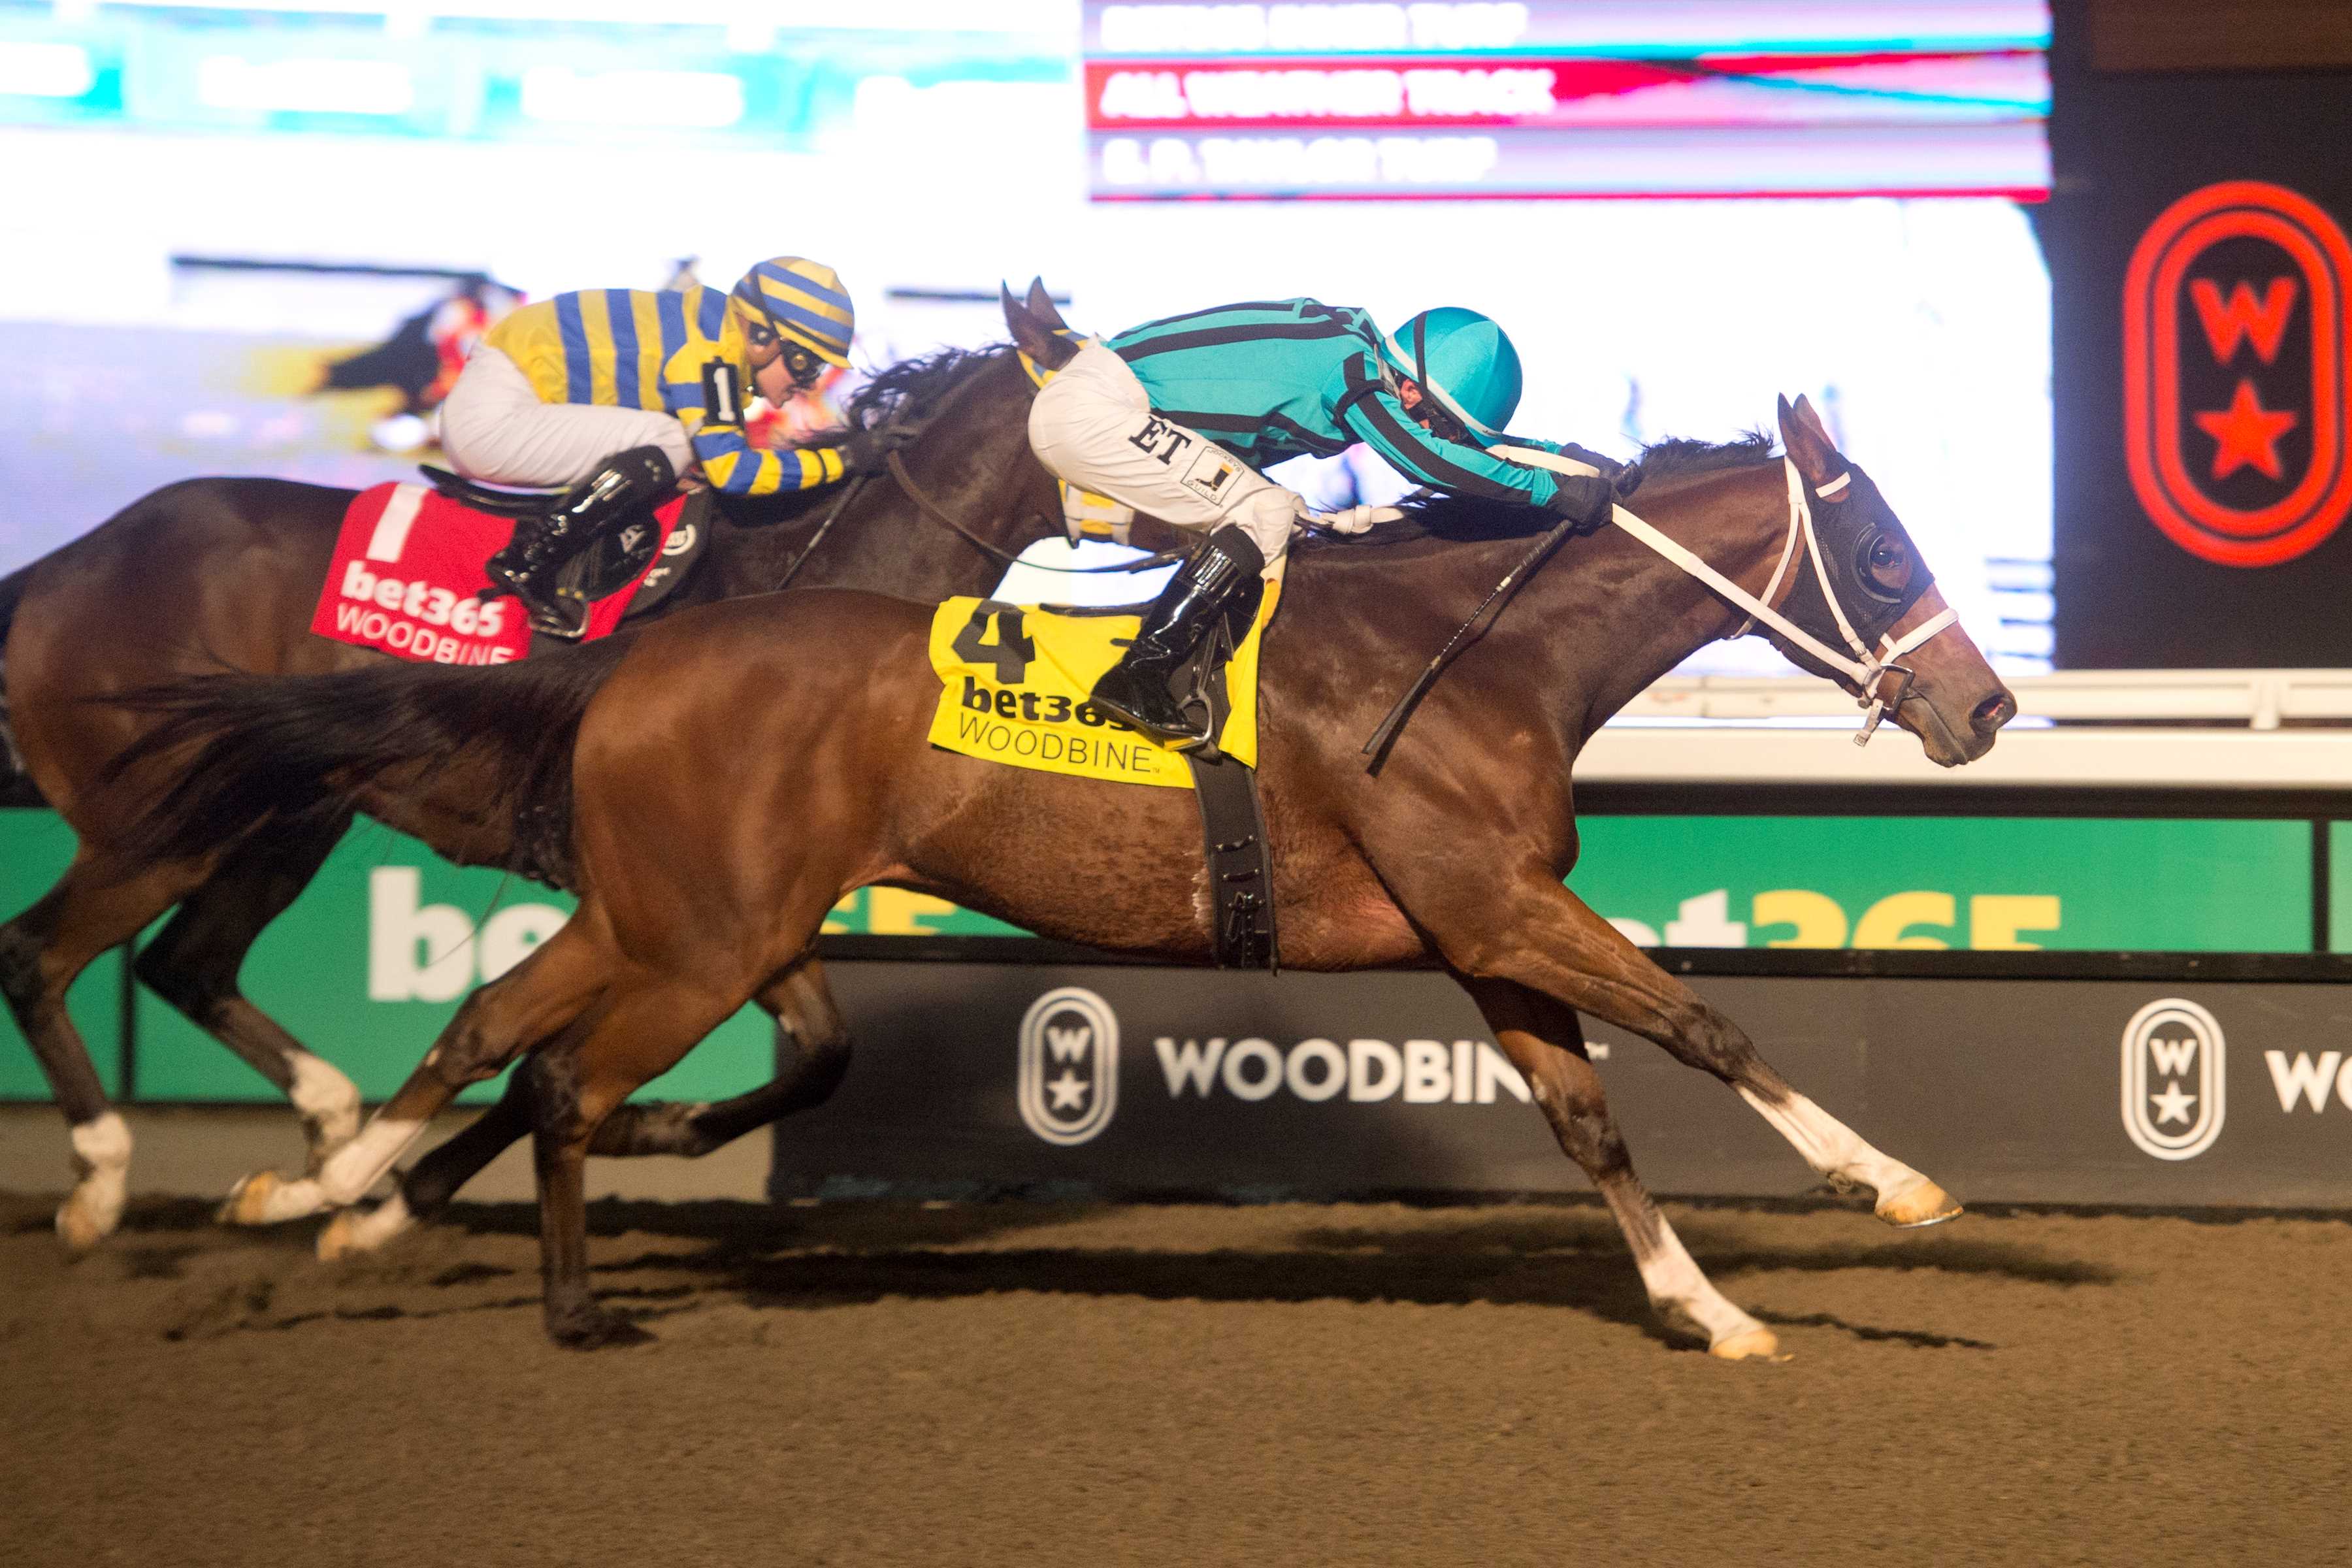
1023, 1383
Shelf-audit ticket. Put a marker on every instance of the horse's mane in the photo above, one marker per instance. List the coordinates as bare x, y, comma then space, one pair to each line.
912, 386
1674, 457
1449, 516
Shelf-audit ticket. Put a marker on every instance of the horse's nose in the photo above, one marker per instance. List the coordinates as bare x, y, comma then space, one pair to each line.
1994, 711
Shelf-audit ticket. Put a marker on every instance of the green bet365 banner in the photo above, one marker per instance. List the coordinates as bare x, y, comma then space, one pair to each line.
1986, 883
374, 959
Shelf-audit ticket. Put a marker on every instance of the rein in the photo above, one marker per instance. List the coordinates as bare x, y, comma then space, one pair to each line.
941, 516
1865, 667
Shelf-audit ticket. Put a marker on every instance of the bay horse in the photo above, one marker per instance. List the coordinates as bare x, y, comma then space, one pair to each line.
723, 780
216, 574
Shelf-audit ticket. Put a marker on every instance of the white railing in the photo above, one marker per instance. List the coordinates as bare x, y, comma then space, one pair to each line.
2189, 730
2258, 699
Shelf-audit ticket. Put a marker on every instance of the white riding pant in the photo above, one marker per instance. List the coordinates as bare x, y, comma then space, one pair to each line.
495, 428
1093, 425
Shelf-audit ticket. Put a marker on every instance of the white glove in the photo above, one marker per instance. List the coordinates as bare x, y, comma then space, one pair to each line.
1354, 519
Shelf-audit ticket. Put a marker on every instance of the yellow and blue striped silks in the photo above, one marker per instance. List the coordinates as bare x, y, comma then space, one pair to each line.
632, 348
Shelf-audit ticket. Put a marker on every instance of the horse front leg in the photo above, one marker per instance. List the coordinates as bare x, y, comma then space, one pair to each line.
1547, 938
1545, 1043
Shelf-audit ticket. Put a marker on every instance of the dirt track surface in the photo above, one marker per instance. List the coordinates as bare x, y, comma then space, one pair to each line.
1031, 1385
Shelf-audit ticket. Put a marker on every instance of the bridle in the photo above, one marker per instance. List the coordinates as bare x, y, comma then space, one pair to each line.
929, 508
945, 518
1865, 666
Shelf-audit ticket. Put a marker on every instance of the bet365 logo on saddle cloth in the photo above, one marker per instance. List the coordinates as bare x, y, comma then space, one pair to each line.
1015, 681
2237, 429
407, 566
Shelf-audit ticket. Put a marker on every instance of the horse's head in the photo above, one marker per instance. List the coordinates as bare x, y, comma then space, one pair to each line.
968, 465
1880, 590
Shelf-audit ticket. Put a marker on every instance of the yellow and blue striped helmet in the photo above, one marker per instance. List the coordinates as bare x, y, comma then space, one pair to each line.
805, 302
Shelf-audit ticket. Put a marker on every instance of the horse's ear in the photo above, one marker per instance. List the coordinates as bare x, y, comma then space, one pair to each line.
1032, 336
1042, 306
1805, 412
1808, 444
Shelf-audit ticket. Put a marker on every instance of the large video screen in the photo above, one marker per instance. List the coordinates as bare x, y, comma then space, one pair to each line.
258, 238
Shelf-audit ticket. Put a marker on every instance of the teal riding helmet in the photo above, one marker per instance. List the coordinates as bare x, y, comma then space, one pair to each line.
1464, 360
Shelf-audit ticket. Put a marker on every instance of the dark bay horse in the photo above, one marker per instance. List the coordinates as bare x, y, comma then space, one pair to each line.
221, 574
726, 778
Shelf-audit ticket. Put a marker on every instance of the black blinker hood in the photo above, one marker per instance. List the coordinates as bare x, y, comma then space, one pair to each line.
1845, 527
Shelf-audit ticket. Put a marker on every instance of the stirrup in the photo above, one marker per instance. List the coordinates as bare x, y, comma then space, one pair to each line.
1186, 738
563, 614
552, 611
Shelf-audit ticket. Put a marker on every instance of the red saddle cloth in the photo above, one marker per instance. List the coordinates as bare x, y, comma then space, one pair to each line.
407, 566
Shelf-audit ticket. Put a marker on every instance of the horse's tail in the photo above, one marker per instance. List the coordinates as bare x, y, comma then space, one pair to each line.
290, 754
16, 786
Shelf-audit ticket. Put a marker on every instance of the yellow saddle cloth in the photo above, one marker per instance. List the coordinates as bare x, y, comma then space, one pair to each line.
1015, 681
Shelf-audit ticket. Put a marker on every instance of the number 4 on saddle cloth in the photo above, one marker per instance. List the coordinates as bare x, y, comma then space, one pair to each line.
408, 564
1014, 682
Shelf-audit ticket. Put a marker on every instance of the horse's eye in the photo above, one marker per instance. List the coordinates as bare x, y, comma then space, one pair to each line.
1888, 563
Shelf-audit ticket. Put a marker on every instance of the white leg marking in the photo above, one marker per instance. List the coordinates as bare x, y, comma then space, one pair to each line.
359, 1164
101, 1167
1905, 1196
328, 1101
1829, 1145
1683, 1296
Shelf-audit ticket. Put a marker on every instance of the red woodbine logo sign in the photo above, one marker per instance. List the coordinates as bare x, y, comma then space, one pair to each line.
2235, 363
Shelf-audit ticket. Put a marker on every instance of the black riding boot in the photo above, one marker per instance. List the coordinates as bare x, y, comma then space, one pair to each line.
1136, 689
603, 501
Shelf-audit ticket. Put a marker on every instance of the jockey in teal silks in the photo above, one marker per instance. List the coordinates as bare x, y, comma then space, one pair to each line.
1175, 417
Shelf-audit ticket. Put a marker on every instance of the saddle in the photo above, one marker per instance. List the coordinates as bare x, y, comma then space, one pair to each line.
1015, 679
406, 574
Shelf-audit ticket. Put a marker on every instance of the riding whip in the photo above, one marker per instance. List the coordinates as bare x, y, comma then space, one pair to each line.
1377, 748
833, 514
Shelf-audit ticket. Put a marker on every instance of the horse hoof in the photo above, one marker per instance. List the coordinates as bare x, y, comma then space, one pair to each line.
80, 1229
356, 1231
1922, 1203
340, 1238
1758, 1344
248, 1202
596, 1330
266, 1197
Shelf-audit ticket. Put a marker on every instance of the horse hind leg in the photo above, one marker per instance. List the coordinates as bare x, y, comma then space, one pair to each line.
1545, 1043
814, 1044
807, 1020
193, 962
93, 907
650, 1022
544, 995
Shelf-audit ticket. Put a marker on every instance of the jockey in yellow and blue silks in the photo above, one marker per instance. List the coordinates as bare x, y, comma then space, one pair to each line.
1174, 417
621, 394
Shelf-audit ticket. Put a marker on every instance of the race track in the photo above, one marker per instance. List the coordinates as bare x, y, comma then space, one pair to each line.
1009, 1383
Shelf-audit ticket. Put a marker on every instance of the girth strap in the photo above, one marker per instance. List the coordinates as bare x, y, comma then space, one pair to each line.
1240, 862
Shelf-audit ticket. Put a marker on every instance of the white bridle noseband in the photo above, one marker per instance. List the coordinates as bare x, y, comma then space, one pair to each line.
1866, 669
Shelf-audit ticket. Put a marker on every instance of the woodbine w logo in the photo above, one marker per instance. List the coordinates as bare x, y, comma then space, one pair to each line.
2174, 1081
2237, 426
1069, 1066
